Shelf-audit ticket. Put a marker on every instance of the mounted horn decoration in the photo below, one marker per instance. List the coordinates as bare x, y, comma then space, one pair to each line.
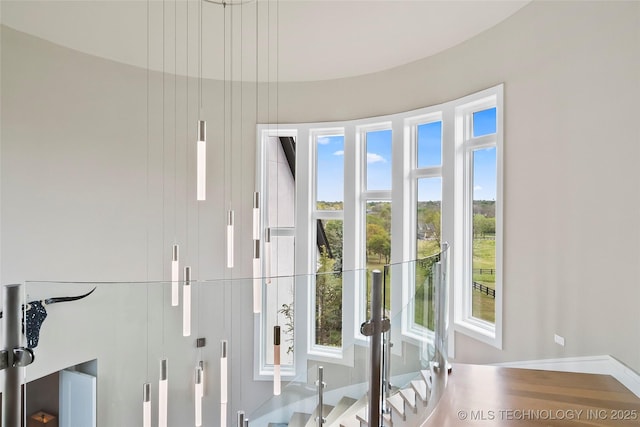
35, 313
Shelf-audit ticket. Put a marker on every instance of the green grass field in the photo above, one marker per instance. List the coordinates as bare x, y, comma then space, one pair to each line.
484, 257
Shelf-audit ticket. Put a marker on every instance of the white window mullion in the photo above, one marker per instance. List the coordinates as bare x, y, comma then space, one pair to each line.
352, 234
448, 207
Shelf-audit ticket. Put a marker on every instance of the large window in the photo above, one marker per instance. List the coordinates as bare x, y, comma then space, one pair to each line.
393, 189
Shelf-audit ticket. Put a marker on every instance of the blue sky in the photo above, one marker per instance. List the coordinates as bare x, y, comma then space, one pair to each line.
330, 158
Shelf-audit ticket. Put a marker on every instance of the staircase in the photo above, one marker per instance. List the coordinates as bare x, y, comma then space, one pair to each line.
406, 407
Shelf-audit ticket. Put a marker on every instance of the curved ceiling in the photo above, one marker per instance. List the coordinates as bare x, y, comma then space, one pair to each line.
298, 40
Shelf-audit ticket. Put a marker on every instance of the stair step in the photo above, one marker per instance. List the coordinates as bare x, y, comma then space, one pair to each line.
350, 422
420, 388
311, 422
386, 420
397, 404
298, 419
340, 408
363, 415
348, 417
409, 396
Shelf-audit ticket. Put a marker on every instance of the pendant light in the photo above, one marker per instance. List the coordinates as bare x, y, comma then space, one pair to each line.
186, 303
163, 391
267, 256
256, 215
257, 278
276, 361
223, 382
199, 392
146, 405
230, 232
201, 161
175, 276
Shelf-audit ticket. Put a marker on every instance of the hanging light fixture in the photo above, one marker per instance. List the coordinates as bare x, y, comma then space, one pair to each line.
230, 232
223, 383
146, 405
186, 303
163, 391
175, 276
256, 216
276, 361
201, 161
267, 256
257, 278
199, 393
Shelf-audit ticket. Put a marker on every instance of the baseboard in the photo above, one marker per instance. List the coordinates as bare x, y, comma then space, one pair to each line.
605, 365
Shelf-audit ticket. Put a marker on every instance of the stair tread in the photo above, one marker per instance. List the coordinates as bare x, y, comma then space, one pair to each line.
409, 396
350, 422
397, 404
340, 408
348, 417
420, 388
298, 419
312, 419
386, 420
363, 415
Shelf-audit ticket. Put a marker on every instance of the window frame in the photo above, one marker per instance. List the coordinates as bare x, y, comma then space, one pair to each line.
455, 173
465, 144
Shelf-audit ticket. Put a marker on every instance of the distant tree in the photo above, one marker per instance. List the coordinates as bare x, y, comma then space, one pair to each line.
328, 303
483, 225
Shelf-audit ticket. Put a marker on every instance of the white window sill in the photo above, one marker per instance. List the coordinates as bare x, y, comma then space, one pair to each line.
482, 331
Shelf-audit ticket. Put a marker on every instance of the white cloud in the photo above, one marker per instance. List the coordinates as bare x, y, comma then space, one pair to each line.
339, 153
324, 140
375, 158
477, 188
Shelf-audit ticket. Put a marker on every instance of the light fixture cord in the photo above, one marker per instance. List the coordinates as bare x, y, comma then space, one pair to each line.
163, 160
147, 189
186, 131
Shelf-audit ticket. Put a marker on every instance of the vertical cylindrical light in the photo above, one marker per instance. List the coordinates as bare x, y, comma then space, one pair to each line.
146, 405
163, 391
256, 216
257, 278
199, 392
201, 161
267, 256
276, 360
230, 226
186, 303
223, 371
223, 382
175, 276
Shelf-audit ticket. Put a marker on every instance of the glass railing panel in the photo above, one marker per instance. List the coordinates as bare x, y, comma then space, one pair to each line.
120, 334
416, 345
344, 380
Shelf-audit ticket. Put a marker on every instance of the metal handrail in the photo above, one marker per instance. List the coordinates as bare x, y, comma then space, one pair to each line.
321, 384
374, 328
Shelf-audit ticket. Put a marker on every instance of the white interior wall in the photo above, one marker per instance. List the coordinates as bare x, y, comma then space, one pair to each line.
572, 238
75, 202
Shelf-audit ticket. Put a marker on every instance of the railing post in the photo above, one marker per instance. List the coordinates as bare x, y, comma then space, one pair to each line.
13, 356
320, 418
374, 328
